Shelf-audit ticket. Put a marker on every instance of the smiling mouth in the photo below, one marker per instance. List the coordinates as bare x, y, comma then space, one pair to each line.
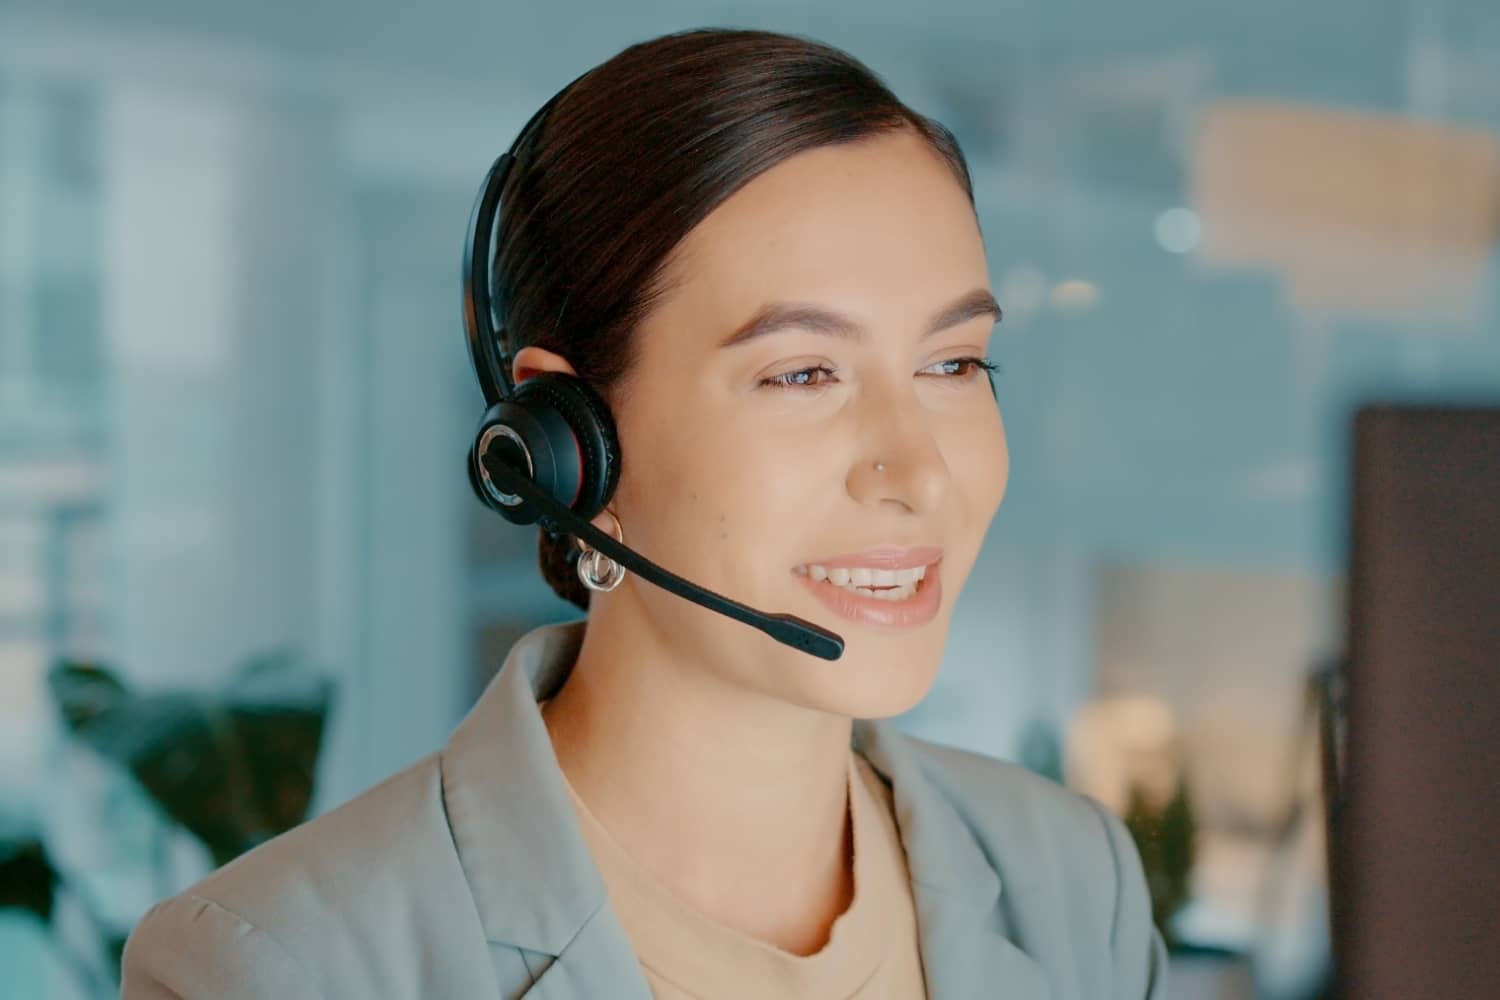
879, 584
901, 598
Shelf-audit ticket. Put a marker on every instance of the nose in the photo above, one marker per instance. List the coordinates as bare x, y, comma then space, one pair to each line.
897, 433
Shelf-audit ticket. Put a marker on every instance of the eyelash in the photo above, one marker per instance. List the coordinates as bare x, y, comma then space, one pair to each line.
973, 367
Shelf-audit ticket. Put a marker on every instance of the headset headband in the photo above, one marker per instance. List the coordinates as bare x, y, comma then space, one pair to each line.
486, 346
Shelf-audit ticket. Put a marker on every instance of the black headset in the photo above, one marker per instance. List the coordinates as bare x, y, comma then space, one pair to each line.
546, 450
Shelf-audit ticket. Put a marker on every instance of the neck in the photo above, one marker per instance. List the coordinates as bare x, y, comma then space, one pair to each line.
736, 800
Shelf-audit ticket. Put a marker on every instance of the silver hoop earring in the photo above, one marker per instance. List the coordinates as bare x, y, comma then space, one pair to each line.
597, 571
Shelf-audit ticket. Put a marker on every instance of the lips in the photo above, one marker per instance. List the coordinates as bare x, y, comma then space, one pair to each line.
918, 609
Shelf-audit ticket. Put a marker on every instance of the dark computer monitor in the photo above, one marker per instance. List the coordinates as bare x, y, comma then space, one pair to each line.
1415, 829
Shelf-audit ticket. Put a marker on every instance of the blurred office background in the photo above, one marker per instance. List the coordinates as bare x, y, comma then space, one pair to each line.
234, 402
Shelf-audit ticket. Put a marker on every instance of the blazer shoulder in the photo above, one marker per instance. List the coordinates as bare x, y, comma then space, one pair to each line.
997, 794
1070, 869
187, 947
358, 901
1022, 818
378, 842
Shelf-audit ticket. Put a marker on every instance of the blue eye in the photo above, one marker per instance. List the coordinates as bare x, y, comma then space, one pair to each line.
797, 379
968, 367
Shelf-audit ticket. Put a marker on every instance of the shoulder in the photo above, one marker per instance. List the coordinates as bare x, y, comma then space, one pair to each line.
1069, 869
1011, 807
350, 898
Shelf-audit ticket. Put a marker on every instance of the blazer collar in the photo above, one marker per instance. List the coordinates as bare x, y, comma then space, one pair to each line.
517, 836
960, 918
536, 887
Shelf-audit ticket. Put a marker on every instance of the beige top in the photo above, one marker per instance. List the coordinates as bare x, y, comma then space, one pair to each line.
872, 949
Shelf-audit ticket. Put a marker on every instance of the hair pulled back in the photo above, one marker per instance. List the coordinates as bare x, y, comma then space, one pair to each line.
637, 153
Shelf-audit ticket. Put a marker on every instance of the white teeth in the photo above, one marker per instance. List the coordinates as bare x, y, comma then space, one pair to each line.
881, 584
865, 577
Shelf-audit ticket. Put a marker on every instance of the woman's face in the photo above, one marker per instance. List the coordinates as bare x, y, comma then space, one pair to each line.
749, 464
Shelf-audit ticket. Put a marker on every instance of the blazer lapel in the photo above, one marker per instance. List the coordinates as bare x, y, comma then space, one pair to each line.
966, 950
534, 883
598, 962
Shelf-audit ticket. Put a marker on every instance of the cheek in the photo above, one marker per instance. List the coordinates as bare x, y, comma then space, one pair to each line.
986, 465
981, 470
758, 488
765, 498
1001, 467
710, 496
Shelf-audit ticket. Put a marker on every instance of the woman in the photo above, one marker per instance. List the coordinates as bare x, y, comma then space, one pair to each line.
772, 273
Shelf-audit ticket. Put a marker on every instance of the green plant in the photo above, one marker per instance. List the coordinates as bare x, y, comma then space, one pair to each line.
1165, 837
27, 878
234, 767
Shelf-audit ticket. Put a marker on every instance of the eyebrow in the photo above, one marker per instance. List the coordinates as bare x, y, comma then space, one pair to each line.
779, 316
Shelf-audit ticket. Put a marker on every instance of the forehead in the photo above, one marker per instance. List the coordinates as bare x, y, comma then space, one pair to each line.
880, 229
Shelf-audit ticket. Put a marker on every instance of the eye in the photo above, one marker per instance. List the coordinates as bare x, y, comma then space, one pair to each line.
963, 369
802, 378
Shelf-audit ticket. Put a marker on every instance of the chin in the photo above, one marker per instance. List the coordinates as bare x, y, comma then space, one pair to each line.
876, 685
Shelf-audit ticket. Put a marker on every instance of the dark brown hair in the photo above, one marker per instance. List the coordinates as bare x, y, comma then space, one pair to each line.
634, 156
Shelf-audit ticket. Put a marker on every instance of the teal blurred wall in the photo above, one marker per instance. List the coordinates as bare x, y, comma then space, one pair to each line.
234, 396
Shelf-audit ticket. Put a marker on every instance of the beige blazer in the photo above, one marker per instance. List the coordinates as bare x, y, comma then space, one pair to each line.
466, 875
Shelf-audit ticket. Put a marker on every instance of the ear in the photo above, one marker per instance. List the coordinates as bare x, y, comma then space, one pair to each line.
531, 360
608, 522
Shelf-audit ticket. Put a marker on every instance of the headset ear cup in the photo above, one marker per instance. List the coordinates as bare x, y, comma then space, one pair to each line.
534, 440
596, 446
476, 483
496, 431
